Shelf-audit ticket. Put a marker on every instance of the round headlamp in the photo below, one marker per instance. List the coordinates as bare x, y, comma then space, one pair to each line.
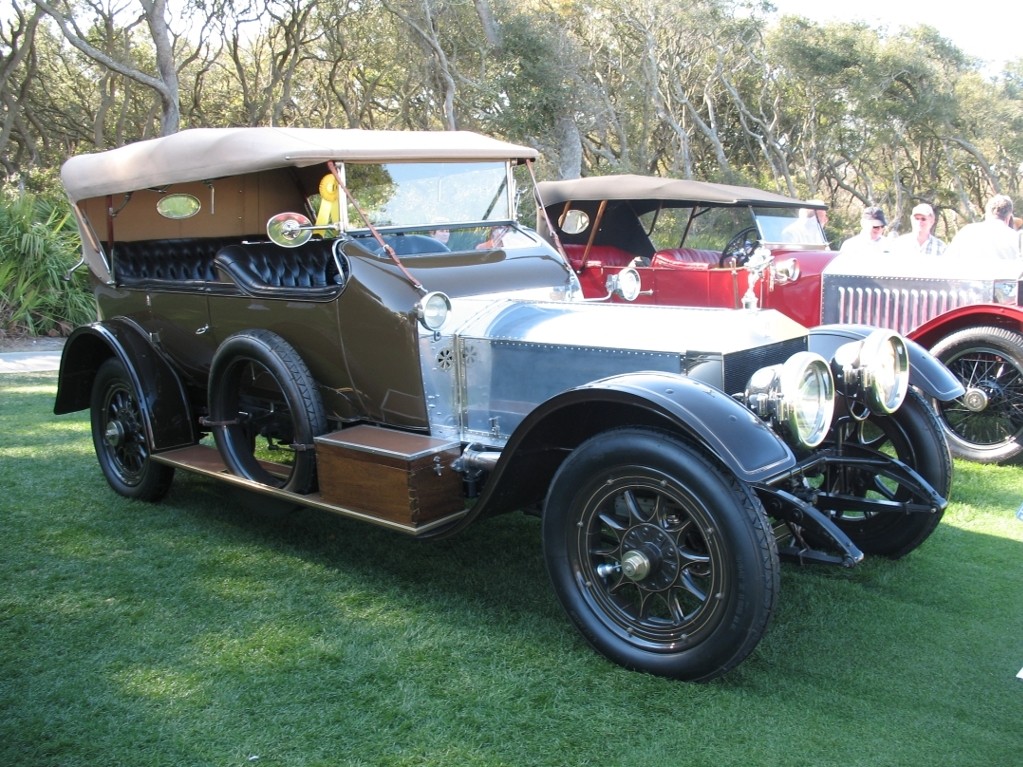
432, 310
876, 370
625, 284
798, 397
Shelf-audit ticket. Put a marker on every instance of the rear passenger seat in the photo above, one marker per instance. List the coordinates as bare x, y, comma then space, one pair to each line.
161, 262
257, 267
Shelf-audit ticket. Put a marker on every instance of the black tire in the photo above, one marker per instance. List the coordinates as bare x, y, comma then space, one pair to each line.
638, 500
986, 424
913, 435
260, 391
119, 436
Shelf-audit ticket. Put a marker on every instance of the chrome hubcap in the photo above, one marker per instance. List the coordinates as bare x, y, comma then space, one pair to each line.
976, 400
114, 435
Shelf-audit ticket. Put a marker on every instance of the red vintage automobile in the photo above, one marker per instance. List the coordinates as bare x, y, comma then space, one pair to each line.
702, 244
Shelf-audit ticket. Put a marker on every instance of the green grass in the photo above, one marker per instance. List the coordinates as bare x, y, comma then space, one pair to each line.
201, 631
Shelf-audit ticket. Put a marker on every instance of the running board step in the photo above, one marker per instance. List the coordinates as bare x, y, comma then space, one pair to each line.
205, 460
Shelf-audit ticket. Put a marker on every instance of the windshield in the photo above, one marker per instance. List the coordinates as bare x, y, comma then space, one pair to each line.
426, 194
709, 229
797, 226
713, 228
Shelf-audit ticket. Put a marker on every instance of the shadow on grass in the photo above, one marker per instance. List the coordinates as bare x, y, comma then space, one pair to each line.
213, 628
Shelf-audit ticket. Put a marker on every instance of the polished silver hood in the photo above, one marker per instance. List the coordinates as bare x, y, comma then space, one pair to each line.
499, 359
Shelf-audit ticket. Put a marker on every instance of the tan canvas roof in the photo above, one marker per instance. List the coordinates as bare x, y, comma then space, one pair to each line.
684, 191
208, 153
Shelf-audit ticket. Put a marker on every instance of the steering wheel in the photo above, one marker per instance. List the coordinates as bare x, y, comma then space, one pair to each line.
737, 247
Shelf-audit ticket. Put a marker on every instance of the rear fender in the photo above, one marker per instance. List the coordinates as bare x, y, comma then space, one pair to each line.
925, 371
162, 398
726, 430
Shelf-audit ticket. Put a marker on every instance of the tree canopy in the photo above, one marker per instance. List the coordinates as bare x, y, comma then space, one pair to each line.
707, 89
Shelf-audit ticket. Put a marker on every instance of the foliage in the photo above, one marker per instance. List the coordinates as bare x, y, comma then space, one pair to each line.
849, 113
206, 630
38, 245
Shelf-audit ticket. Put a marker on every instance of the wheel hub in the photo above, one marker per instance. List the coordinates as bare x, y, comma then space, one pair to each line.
114, 434
976, 400
635, 565
651, 557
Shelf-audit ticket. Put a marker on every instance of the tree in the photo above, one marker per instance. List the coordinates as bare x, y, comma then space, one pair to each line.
163, 80
17, 69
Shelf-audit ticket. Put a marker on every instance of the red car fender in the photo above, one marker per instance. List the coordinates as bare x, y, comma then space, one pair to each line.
975, 315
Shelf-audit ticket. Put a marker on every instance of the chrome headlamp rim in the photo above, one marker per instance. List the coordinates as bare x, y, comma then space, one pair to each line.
433, 309
876, 370
797, 396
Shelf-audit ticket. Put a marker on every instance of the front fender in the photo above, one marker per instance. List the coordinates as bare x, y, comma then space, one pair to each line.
162, 397
974, 315
670, 402
926, 373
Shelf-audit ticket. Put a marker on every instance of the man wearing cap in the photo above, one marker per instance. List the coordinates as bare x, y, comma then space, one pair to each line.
870, 240
993, 237
920, 240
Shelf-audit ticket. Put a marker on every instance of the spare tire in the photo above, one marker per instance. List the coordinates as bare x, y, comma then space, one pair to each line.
264, 410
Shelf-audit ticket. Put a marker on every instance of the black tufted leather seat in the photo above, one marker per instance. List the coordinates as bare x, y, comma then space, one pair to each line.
152, 263
265, 269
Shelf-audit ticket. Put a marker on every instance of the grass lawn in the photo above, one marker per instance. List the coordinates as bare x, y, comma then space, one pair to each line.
203, 631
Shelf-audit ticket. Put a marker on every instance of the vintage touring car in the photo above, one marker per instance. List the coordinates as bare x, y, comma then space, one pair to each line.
354, 321
701, 244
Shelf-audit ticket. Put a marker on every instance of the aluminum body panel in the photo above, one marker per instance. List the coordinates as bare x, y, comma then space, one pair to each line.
505, 357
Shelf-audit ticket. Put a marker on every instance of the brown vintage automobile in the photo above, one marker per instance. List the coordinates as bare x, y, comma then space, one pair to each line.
355, 321
702, 244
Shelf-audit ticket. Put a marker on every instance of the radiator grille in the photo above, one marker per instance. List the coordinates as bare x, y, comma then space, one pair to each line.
902, 307
739, 366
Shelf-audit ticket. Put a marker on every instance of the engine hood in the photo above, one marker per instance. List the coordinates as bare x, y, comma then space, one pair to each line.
646, 328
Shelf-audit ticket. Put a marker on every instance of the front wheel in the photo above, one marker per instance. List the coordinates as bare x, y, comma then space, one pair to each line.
119, 436
663, 561
913, 436
986, 423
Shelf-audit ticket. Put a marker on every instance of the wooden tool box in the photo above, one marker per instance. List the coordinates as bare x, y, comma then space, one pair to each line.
395, 475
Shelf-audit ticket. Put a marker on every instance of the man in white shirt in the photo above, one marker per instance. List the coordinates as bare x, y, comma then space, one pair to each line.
920, 241
808, 228
993, 237
870, 240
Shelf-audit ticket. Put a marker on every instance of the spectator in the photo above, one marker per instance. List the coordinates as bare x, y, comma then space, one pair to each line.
495, 239
870, 240
993, 237
808, 229
920, 241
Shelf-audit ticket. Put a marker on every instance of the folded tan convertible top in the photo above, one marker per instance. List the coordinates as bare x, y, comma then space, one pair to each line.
653, 188
208, 153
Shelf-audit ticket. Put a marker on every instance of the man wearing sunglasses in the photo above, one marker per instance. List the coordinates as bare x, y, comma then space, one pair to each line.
920, 241
870, 240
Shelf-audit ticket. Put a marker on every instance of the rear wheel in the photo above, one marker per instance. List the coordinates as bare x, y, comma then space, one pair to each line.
986, 423
662, 560
265, 410
119, 436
